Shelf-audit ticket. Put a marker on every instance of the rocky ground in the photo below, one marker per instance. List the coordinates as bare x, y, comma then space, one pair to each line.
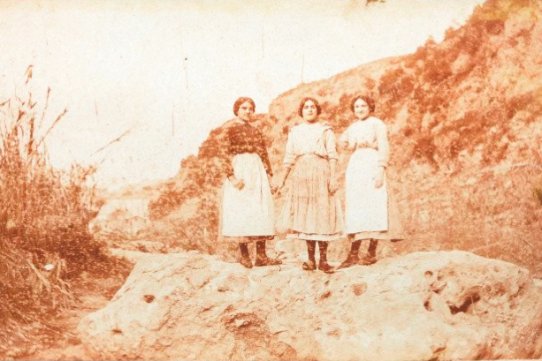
422, 306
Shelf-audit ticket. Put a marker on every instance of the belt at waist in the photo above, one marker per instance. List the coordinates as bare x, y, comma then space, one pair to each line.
366, 146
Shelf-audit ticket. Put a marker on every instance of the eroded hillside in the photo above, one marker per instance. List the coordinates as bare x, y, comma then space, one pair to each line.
465, 126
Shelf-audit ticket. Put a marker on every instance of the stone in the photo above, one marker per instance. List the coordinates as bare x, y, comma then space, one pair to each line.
420, 306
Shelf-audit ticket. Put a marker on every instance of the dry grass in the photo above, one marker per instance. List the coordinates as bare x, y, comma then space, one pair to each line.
44, 213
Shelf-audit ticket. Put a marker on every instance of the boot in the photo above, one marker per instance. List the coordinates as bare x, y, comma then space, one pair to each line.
245, 257
261, 257
322, 264
352, 257
311, 249
370, 258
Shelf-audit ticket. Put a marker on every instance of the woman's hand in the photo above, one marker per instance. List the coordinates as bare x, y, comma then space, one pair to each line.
379, 178
344, 145
237, 183
277, 186
333, 185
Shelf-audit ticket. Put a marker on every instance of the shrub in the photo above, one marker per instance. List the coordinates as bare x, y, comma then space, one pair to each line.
538, 194
44, 214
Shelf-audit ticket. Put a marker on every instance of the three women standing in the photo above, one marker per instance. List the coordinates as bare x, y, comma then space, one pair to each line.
311, 211
247, 203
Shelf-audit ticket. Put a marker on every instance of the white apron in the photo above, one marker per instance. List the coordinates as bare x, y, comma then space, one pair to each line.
249, 211
366, 206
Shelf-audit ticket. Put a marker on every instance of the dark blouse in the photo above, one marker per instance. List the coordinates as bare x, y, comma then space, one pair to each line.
244, 138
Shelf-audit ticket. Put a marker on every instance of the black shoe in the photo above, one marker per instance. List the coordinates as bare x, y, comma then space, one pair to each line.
350, 261
367, 261
246, 262
266, 261
309, 266
325, 267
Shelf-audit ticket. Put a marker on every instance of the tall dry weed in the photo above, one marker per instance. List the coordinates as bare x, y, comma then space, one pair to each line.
44, 213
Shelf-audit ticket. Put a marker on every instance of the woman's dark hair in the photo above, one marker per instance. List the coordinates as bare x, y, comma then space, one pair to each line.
302, 103
240, 101
367, 99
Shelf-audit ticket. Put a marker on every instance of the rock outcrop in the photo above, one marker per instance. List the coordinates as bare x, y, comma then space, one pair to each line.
420, 306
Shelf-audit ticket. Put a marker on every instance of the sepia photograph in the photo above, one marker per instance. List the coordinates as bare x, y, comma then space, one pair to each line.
331, 180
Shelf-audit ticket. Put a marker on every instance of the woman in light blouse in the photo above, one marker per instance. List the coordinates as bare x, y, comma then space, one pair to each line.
365, 186
311, 211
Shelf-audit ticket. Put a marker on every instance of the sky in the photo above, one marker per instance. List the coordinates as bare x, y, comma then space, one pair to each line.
167, 72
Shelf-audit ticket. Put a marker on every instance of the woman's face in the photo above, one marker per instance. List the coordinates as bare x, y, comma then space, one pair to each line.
245, 111
361, 109
309, 111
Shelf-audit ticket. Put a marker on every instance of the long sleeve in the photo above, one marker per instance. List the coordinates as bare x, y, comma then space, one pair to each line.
331, 145
383, 144
225, 154
262, 152
289, 155
345, 141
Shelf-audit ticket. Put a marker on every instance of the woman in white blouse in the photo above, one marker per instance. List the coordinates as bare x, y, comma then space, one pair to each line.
365, 189
311, 211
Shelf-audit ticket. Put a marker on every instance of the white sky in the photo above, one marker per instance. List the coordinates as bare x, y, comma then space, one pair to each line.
170, 70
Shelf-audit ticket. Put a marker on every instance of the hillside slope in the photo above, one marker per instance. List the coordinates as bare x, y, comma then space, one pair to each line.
465, 127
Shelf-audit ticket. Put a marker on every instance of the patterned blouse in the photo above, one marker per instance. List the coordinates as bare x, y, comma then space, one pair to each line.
244, 138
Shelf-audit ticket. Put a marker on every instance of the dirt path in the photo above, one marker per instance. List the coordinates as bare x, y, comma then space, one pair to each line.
60, 341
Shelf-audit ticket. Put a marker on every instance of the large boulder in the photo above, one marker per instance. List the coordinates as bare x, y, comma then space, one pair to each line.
421, 306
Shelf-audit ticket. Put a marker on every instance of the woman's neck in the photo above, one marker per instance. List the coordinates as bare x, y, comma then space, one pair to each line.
243, 121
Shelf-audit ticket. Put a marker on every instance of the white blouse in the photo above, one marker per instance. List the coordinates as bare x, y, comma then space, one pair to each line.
368, 133
310, 138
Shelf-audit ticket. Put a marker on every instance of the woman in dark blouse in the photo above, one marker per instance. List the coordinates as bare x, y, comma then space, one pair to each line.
247, 203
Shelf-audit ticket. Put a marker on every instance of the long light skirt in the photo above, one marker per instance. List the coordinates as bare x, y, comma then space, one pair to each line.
310, 212
369, 211
366, 206
247, 212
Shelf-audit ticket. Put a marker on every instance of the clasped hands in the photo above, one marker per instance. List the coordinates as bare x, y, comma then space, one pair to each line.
239, 184
276, 186
333, 184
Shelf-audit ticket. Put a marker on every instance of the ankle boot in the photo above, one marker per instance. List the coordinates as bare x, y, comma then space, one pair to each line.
310, 265
322, 264
261, 256
245, 257
352, 257
370, 257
